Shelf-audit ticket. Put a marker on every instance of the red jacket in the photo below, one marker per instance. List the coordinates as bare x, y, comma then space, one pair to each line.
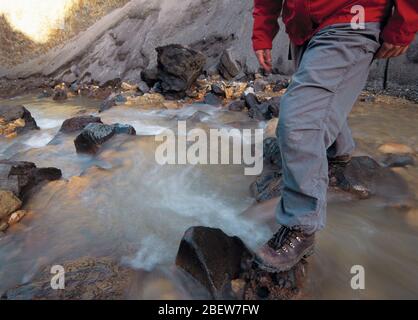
303, 18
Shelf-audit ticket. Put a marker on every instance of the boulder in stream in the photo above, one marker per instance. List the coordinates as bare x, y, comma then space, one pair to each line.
178, 68
95, 134
78, 123
15, 120
20, 177
224, 265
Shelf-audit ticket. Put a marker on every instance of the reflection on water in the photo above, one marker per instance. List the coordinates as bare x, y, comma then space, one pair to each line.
122, 204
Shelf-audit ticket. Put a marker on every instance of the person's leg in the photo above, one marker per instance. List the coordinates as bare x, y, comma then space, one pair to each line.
332, 72
344, 145
313, 115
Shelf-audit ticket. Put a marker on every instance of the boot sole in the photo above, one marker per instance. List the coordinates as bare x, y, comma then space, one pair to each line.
286, 267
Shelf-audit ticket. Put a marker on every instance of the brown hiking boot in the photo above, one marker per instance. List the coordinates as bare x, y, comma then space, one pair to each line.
285, 250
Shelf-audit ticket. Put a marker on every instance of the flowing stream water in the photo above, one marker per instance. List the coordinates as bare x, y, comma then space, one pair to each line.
122, 204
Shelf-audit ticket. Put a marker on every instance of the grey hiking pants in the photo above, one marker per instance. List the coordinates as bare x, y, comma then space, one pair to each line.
332, 69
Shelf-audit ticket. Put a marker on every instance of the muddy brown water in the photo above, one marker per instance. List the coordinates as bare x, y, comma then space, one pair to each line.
122, 204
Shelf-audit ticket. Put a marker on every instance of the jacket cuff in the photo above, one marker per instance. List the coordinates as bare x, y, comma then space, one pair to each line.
260, 44
397, 36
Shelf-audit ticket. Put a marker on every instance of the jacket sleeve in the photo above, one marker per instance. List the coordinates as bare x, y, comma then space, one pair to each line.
403, 24
266, 14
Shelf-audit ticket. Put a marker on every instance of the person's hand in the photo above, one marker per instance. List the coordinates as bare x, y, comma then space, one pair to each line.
388, 50
264, 58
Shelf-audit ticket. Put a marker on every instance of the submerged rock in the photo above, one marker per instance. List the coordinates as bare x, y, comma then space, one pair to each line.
78, 123
95, 134
267, 186
178, 68
85, 279
398, 160
20, 177
224, 265
15, 120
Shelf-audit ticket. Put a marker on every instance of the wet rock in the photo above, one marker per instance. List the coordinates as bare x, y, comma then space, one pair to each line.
272, 155
364, 177
229, 65
398, 160
9, 203
395, 148
15, 217
212, 258
20, 177
267, 186
260, 85
262, 111
150, 76
15, 120
178, 68
108, 103
235, 90
60, 93
237, 105
218, 90
78, 123
212, 99
224, 265
85, 279
124, 129
93, 136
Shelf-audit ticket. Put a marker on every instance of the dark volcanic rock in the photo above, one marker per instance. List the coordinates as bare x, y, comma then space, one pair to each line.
212, 99
212, 258
93, 135
364, 177
398, 160
10, 114
178, 68
224, 265
150, 76
124, 129
218, 90
78, 123
237, 105
20, 177
267, 186
229, 65
272, 152
85, 279
262, 111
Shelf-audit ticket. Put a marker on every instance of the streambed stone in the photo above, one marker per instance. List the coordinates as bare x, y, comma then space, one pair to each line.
15, 120
224, 265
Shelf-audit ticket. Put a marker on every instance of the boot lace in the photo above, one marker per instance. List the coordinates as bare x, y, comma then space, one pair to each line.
283, 240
